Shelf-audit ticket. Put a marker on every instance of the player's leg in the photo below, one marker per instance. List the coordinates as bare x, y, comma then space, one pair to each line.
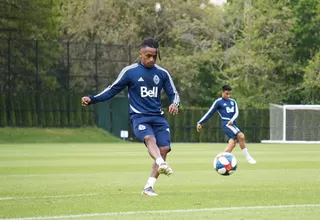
155, 153
231, 145
144, 132
163, 151
233, 132
153, 150
149, 187
242, 143
162, 134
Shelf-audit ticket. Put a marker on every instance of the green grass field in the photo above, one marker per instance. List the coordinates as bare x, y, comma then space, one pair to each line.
104, 181
56, 135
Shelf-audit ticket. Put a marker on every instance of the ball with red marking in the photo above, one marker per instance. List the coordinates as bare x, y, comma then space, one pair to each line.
225, 163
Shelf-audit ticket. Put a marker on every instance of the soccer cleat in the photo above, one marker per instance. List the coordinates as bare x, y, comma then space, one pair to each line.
251, 160
149, 192
164, 168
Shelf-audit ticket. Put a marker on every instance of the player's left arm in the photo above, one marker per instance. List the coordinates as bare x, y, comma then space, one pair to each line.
236, 113
172, 93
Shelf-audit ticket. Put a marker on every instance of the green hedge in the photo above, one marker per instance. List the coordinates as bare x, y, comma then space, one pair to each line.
64, 110
45, 110
254, 123
3, 111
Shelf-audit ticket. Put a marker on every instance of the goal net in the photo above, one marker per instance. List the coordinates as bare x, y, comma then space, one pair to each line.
294, 124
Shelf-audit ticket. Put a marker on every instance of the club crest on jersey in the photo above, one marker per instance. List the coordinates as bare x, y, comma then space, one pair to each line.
156, 79
142, 127
232, 103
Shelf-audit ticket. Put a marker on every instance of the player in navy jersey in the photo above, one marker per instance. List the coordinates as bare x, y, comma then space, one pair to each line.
145, 80
227, 109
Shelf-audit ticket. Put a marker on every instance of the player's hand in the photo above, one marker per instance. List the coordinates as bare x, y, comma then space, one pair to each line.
173, 109
230, 123
199, 127
85, 100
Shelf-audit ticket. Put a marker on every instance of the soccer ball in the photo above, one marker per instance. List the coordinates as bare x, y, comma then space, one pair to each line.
225, 163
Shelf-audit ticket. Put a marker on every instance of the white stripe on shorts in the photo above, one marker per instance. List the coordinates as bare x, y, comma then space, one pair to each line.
234, 129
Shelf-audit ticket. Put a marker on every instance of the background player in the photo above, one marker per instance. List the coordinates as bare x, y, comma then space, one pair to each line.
228, 111
145, 80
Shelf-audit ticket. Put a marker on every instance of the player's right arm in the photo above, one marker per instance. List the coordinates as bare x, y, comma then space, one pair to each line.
117, 86
210, 112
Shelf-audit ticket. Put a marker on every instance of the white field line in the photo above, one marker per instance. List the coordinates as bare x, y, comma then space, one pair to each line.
45, 197
163, 211
110, 193
115, 193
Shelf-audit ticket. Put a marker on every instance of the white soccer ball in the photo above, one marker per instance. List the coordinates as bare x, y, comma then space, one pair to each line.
225, 163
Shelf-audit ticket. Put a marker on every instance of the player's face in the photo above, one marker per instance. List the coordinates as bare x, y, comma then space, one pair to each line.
148, 56
226, 94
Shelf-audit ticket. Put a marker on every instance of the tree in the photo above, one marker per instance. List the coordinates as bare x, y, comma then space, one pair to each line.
28, 55
306, 39
30, 19
262, 57
305, 42
311, 86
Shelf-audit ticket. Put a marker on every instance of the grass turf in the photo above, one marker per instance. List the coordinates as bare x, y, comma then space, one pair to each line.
97, 181
56, 135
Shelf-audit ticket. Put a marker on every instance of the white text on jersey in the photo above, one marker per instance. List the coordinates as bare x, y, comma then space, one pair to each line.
230, 109
148, 93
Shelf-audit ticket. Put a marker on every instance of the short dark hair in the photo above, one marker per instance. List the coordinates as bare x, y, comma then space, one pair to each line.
226, 88
151, 42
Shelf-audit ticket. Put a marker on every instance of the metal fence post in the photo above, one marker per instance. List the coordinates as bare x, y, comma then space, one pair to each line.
38, 87
37, 64
254, 133
68, 83
68, 65
96, 80
8, 107
96, 65
9, 66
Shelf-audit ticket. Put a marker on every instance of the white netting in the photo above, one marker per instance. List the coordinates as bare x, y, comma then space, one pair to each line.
294, 123
303, 123
276, 122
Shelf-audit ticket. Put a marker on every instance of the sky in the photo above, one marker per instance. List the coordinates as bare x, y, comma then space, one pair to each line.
218, 2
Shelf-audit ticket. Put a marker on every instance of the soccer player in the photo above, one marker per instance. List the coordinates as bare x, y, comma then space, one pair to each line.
145, 80
227, 109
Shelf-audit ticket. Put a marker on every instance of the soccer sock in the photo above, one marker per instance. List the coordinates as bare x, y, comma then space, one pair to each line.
151, 181
159, 161
245, 152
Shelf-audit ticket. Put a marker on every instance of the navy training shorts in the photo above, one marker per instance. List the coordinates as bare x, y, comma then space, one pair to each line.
231, 131
156, 126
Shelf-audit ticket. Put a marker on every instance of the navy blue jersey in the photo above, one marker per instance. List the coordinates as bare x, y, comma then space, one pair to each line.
226, 108
144, 89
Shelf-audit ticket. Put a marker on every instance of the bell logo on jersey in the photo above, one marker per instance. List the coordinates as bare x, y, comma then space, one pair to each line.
230, 109
148, 93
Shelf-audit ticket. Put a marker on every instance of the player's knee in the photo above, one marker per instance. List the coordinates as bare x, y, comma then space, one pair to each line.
232, 142
149, 139
164, 150
241, 136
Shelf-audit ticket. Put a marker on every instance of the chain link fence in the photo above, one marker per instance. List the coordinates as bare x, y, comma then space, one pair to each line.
41, 83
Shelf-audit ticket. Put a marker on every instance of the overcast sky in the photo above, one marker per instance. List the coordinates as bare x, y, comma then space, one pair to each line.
218, 2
